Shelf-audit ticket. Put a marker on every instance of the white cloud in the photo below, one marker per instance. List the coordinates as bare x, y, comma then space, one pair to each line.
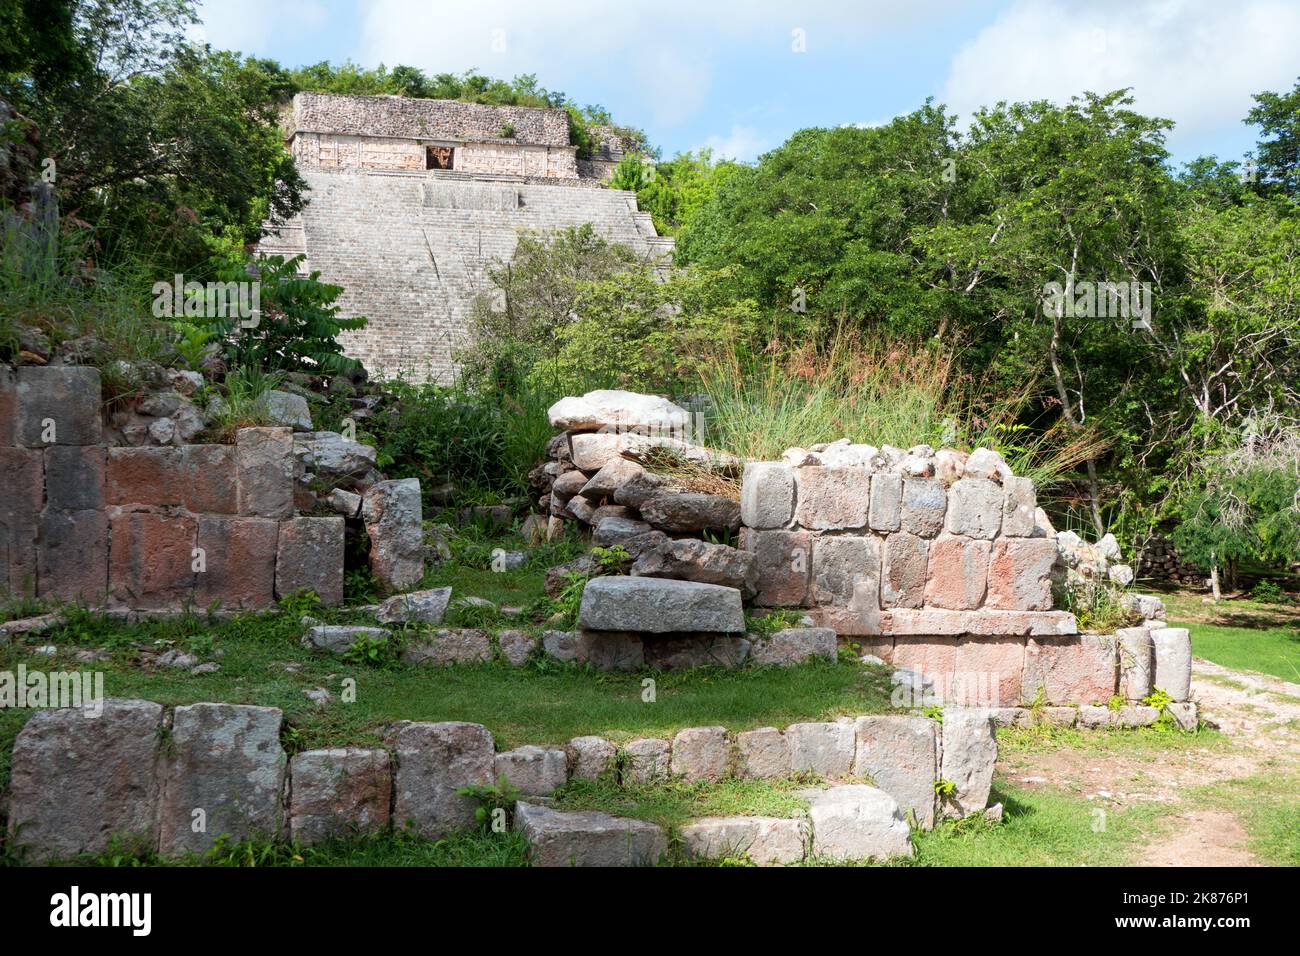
1193, 61
743, 143
248, 25
664, 54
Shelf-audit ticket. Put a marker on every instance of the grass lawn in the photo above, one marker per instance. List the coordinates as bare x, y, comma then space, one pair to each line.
1241, 633
262, 662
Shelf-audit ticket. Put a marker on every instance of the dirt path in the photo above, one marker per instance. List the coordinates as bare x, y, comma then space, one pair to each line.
1258, 715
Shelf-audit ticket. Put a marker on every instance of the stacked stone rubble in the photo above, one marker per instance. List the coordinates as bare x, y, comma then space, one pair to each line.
160, 526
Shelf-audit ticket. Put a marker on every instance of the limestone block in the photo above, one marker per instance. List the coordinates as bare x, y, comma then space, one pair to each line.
825, 748
209, 479
924, 506
1136, 662
829, 499
886, 512
1173, 652
763, 754
659, 606
969, 749
795, 645
1019, 507
900, 755
700, 753
844, 565
239, 561
957, 572
762, 840
226, 761
691, 511
782, 566
648, 760
1070, 670
78, 781
151, 560
534, 771
434, 761
73, 555
767, 495
57, 405
415, 607
589, 757
858, 822
264, 469
144, 476
393, 515
587, 838
1020, 574
975, 508
902, 582
338, 792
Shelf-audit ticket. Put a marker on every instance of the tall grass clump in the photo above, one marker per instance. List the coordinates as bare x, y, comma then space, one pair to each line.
882, 391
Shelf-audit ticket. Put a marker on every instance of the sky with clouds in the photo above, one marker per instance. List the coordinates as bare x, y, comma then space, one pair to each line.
741, 75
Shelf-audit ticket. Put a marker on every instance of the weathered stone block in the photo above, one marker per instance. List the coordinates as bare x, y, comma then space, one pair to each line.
692, 511
73, 556
1173, 652
589, 757
1079, 669
619, 411
8, 407
830, 499
516, 646
415, 607
900, 755
612, 475
209, 479
1131, 715
886, 512
648, 760
534, 771
151, 560
309, 557
659, 606
74, 477
587, 838
693, 560
21, 477
338, 792
238, 561
77, 781
264, 471
957, 573
393, 516
612, 530
824, 748
692, 650
1020, 574
1093, 717
975, 508
841, 563
795, 645
938, 622
700, 753
767, 495
433, 762
1184, 715
902, 582
925, 504
1136, 662
594, 450
451, 646
610, 650
144, 476
857, 822
762, 840
988, 671
763, 754
1019, 507
225, 768
58, 405
782, 566
969, 749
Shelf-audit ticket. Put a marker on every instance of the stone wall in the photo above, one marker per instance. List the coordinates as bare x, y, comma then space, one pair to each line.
177, 780
412, 250
148, 527
433, 120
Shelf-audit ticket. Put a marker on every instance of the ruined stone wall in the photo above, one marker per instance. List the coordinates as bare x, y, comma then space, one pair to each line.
412, 250
496, 158
148, 527
447, 120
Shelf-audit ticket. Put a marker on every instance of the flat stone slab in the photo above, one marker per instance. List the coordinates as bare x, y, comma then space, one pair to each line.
338, 638
76, 780
857, 822
534, 771
333, 792
796, 645
587, 838
422, 607
764, 840
940, 623
660, 606
224, 775
900, 755
434, 761
618, 410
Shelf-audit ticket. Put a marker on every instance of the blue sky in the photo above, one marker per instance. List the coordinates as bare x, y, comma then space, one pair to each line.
742, 76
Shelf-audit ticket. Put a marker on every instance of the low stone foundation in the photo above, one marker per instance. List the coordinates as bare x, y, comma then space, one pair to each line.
178, 779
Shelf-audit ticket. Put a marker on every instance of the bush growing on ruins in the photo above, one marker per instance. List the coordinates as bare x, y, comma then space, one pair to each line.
299, 324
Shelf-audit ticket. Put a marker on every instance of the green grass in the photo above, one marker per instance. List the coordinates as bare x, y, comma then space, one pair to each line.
1268, 806
1150, 741
546, 703
1040, 828
1240, 633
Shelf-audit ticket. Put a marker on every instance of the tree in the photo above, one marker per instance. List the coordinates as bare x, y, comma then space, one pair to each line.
1278, 117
